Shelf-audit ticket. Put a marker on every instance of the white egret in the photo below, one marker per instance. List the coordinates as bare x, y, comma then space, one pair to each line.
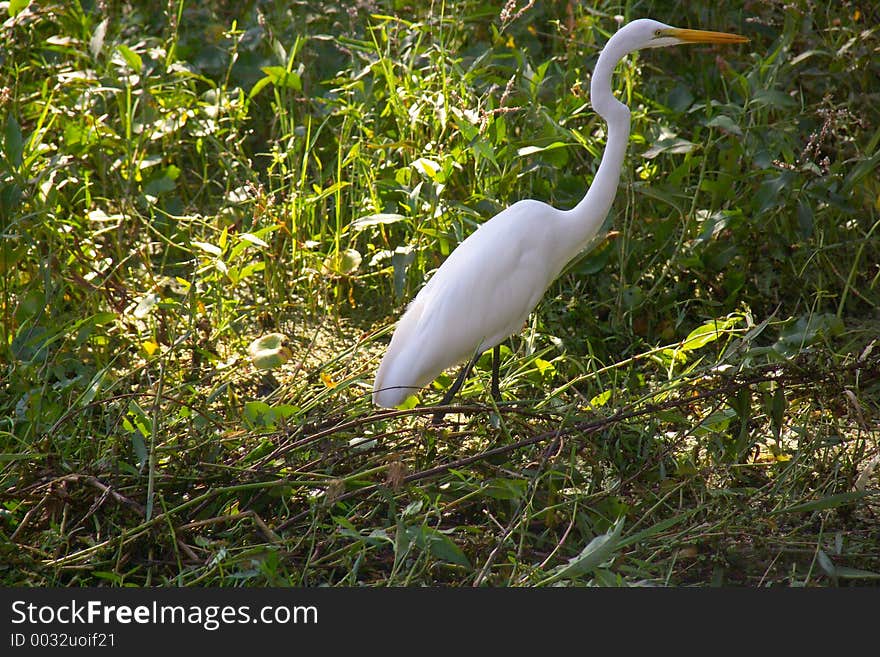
489, 284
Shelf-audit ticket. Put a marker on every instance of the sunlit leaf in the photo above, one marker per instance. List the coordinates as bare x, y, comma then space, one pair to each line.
426, 167
376, 219
270, 351
281, 77
213, 249
146, 304
531, 150
96, 43
253, 239
131, 58
345, 262
709, 332
402, 258
17, 6
545, 368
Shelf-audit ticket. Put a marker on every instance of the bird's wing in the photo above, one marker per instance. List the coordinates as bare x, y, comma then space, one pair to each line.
481, 294
487, 287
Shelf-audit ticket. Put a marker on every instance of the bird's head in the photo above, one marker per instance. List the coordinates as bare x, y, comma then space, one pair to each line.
647, 33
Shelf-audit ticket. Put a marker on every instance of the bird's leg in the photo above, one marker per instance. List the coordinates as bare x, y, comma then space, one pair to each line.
454, 388
496, 365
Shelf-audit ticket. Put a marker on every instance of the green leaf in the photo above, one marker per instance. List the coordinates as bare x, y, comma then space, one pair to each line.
807, 330
255, 413
805, 219
281, 77
345, 262
597, 552
10, 199
658, 528
601, 399
85, 327
772, 98
726, 124
321, 194
20, 456
14, 144
860, 171
826, 564
17, 6
680, 98
131, 58
531, 150
376, 219
208, 248
544, 367
251, 269
503, 488
163, 182
772, 191
428, 168
829, 502
777, 407
94, 387
138, 445
709, 332
253, 239
438, 545
854, 573
115, 578
401, 260
259, 85
716, 422
668, 145
270, 351
632, 297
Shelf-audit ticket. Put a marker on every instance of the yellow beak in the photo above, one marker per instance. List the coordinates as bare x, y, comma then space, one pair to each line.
704, 36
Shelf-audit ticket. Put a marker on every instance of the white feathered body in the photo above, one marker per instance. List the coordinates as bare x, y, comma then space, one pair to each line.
479, 296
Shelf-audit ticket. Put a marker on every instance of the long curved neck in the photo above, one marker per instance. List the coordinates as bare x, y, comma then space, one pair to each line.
586, 218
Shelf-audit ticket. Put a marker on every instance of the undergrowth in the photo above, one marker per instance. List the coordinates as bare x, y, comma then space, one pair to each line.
695, 401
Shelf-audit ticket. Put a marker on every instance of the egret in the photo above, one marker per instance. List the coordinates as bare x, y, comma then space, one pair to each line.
489, 284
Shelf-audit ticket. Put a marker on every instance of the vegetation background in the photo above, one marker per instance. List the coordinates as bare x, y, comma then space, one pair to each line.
695, 402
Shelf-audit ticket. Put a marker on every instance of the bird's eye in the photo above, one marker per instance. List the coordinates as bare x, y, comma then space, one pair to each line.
658, 33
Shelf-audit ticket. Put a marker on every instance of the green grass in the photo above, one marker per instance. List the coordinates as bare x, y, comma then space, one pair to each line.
699, 392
